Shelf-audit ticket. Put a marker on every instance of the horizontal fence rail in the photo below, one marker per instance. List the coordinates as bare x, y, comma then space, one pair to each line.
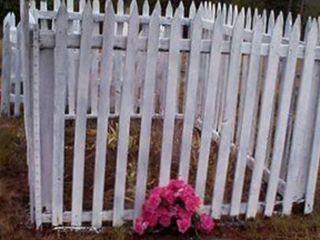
116, 103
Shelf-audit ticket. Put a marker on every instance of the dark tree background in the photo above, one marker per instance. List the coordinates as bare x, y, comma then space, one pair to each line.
303, 7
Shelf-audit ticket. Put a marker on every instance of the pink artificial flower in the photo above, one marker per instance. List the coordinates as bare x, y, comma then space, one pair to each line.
168, 195
206, 223
151, 218
192, 203
164, 216
140, 226
176, 184
153, 201
183, 224
165, 220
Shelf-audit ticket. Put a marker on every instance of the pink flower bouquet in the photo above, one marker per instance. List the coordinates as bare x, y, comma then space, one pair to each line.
175, 205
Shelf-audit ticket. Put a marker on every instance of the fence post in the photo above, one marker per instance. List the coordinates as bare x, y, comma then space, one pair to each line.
6, 69
126, 110
60, 80
303, 126
103, 114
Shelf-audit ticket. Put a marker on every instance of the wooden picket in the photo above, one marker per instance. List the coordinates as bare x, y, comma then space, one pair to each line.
238, 90
80, 129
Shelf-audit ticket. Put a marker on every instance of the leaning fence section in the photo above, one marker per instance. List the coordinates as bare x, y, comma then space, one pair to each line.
118, 102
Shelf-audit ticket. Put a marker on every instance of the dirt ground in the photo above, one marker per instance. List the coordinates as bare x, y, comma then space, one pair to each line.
14, 219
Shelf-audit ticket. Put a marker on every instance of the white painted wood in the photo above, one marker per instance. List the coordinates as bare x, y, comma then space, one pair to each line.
246, 123
255, 17
103, 115
307, 28
80, 129
60, 79
283, 117
139, 77
229, 115
43, 7
124, 122
190, 104
265, 118
314, 166
209, 112
235, 14
147, 111
36, 127
271, 22
203, 71
288, 25
56, 4
171, 98
229, 15
6, 71
223, 78
25, 60
248, 19
264, 20
18, 75
299, 138
95, 59
243, 84
118, 65
128, 215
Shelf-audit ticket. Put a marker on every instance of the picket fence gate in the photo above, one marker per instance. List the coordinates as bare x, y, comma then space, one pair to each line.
250, 85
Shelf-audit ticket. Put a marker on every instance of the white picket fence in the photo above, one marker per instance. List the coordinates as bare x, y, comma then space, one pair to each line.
251, 85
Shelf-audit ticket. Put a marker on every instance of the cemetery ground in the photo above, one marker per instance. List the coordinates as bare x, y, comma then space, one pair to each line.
14, 198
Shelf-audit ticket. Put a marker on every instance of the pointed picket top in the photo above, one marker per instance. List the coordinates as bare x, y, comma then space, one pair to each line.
210, 9
205, 10
87, 9
230, 13
200, 12
213, 11
219, 7
70, 5
296, 29
264, 20
255, 17
235, 13
278, 27
192, 11
109, 11
146, 8
205, 5
169, 9
56, 4
224, 13
288, 25
133, 6
120, 7
239, 23
219, 21
180, 9
307, 28
157, 9
241, 17
33, 4
13, 19
271, 22
96, 6
312, 30
82, 5
63, 6
133, 11
248, 18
